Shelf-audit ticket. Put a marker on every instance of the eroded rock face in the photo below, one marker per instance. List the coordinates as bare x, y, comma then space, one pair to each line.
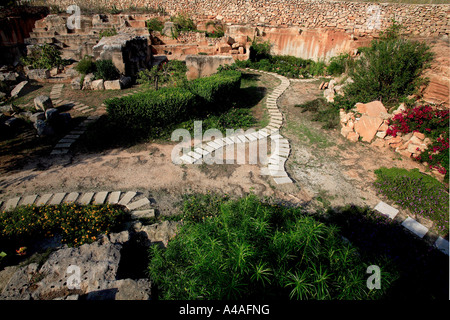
202, 66
129, 53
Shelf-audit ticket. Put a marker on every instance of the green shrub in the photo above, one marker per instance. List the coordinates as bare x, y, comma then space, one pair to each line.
421, 194
339, 64
44, 56
86, 65
216, 90
108, 33
259, 50
244, 249
74, 223
143, 111
322, 112
172, 73
106, 70
388, 70
155, 25
183, 22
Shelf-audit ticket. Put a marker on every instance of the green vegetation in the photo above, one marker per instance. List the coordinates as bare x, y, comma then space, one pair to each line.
288, 66
340, 64
238, 249
218, 31
86, 65
106, 70
421, 194
155, 24
108, 33
183, 22
44, 56
171, 73
74, 224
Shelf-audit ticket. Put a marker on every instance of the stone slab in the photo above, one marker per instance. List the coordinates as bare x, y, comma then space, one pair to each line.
442, 245
386, 209
129, 195
29, 200
12, 203
114, 197
86, 198
57, 198
72, 197
139, 214
43, 199
137, 204
282, 180
415, 227
100, 197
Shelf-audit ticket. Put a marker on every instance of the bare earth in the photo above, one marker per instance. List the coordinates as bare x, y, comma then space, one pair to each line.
326, 168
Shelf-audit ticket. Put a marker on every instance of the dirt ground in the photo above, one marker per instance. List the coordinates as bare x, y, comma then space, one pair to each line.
326, 168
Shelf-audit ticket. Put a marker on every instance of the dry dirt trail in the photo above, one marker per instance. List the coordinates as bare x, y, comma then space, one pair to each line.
325, 167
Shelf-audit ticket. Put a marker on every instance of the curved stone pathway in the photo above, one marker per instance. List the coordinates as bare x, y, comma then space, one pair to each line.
138, 206
280, 145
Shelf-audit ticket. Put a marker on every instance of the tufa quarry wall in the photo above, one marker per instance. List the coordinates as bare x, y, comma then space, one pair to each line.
358, 18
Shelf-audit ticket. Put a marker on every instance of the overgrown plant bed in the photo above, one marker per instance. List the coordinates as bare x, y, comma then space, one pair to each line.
422, 195
247, 248
71, 224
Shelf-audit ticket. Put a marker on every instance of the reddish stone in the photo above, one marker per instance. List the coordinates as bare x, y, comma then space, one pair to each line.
367, 127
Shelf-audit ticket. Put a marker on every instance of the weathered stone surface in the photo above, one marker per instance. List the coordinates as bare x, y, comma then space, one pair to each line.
43, 103
38, 74
367, 127
98, 85
75, 84
169, 29
353, 136
125, 82
51, 114
43, 128
112, 85
87, 82
128, 52
202, 66
373, 109
18, 88
160, 232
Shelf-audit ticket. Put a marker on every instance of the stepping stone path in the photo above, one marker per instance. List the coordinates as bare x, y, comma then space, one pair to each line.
275, 168
63, 145
137, 205
412, 225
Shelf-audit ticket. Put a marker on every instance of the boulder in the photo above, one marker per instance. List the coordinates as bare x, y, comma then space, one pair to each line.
353, 136
129, 53
43, 103
51, 114
38, 74
18, 88
98, 85
125, 82
87, 82
37, 116
112, 85
75, 84
43, 128
372, 109
367, 127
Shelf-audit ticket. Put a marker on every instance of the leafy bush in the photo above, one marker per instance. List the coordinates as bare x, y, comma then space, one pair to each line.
388, 70
44, 56
322, 112
86, 65
216, 90
287, 66
172, 73
106, 70
145, 110
183, 22
74, 223
421, 194
339, 64
249, 249
155, 25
